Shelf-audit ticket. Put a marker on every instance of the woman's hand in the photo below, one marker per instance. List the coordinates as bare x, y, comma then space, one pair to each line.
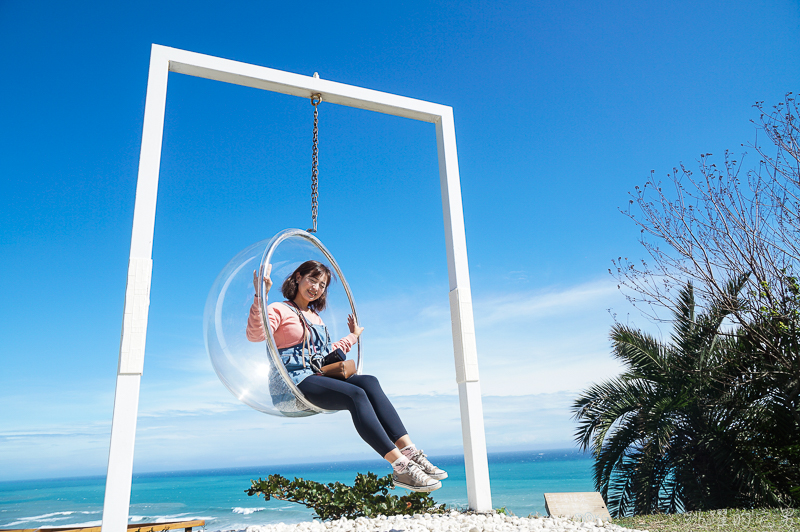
267, 281
354, 328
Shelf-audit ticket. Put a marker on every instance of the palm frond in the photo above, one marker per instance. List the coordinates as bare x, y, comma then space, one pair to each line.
640, 352
683, 427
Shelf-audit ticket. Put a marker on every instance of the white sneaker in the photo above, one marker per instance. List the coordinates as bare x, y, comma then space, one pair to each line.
420, 458
415, 479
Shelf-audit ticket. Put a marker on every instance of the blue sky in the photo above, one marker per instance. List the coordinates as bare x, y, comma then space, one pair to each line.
561, 108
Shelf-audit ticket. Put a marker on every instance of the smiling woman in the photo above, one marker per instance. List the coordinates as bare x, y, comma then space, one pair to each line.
254, 372
289, 380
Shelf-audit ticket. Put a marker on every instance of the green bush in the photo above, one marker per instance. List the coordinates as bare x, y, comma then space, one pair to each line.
368, 497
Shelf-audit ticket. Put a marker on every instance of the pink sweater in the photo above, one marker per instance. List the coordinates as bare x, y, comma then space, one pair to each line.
285, 326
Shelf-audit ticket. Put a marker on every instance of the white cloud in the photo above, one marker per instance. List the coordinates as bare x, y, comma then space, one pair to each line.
528, 342
536, 350
240, 436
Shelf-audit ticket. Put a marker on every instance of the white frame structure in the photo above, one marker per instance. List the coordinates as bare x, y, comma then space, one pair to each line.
137, 293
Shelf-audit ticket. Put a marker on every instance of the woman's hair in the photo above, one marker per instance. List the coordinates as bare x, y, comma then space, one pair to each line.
317, 269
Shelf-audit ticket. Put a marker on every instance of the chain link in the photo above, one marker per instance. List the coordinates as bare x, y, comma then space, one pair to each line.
315, 101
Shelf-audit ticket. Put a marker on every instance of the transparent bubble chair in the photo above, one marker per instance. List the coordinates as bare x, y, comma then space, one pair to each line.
253, 371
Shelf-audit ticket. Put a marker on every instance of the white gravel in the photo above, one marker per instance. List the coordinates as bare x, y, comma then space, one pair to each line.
452, 522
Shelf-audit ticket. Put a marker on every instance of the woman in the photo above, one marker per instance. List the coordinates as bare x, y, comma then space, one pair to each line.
301, 338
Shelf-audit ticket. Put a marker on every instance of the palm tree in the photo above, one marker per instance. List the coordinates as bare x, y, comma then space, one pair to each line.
673, 431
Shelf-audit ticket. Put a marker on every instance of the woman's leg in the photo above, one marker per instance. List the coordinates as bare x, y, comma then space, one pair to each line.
394, 427
334, 394
387, 415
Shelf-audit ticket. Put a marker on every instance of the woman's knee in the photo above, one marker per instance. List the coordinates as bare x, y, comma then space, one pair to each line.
328, 393
358, 395
366, 381
372, 379
354, 398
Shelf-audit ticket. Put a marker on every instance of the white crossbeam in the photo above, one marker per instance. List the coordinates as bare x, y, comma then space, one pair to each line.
258, 77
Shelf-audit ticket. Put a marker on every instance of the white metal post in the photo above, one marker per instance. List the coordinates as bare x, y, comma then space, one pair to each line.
131, 357
137, 303
465, 351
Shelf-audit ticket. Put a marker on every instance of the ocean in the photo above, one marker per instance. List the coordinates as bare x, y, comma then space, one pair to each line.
518, 482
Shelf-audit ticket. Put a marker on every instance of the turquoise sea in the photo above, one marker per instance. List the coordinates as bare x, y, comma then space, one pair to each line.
518, 482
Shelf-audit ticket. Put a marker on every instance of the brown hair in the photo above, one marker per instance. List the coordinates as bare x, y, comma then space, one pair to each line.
317, 269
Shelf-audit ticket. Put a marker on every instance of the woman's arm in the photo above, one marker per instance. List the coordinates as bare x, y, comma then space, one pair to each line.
255, 327
350, 340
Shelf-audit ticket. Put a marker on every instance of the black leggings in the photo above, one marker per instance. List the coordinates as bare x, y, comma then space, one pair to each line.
375, 418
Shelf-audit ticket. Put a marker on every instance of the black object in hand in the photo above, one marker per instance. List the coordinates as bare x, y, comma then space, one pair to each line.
337, 355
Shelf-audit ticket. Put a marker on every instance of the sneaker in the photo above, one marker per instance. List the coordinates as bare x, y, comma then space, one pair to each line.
415, 479
420, 458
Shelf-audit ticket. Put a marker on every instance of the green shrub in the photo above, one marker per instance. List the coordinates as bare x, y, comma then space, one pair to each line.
368, 497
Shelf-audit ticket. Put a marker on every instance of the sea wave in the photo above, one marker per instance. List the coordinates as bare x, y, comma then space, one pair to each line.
50, 517
179, 517
247, 511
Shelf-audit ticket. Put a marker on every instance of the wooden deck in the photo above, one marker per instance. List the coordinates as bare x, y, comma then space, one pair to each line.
141, 527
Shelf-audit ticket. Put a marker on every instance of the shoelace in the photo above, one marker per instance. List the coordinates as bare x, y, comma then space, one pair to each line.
416, 472
421, 459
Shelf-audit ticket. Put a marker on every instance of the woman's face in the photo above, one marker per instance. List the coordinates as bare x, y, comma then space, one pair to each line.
311, 286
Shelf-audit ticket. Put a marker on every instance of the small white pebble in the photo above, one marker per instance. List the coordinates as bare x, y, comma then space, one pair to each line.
452, 521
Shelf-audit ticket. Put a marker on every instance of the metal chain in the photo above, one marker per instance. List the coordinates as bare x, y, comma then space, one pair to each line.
315, 101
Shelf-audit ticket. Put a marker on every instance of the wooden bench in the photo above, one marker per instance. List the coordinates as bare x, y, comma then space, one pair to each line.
141, 527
